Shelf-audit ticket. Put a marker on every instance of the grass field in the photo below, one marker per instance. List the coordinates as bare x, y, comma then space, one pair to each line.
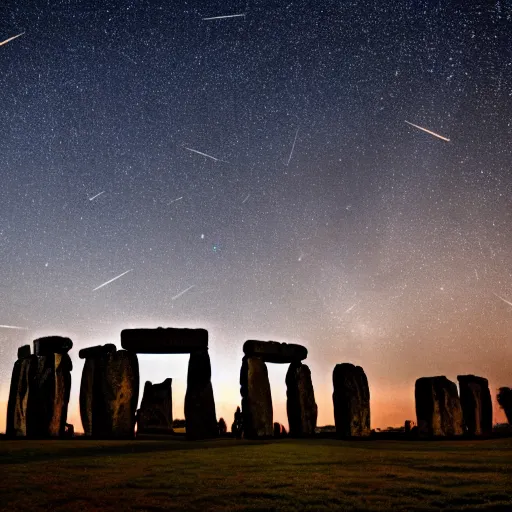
227, 474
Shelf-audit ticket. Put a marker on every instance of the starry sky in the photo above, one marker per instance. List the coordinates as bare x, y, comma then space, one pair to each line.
315, 215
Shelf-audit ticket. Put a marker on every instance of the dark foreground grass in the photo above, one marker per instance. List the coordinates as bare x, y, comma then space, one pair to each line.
231, 475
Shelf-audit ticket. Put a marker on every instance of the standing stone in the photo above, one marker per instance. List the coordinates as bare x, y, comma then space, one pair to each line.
351, 398
504, 398
115, 395
438, 408
50, 386
476, 402
300, 405
200, 416
408, 426
256, 398
89, 372
16, 424
155, 413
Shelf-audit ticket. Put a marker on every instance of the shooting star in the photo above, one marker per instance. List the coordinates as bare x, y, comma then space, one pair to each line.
428, 131
224, 17
248, 195
504, 300
97, 195
207, 156
10, 39
351, 308
293, 146
112, 280
183, 292
174, 200
14, 327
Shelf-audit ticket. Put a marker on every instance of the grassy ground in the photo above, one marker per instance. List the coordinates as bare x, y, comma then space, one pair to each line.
226, 474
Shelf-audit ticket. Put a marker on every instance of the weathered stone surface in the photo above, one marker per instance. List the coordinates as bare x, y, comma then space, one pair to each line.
438, 408
96, 351
504, 398
155, 413
164, 341
24, 352
115, 395
257, 409
49, 389
86, 394
52, 345
300, 404
275, 352
476, 403
200, 415
16, 425
351, 398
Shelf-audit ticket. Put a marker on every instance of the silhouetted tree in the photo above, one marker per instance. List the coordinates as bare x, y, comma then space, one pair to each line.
222, 426
505, 400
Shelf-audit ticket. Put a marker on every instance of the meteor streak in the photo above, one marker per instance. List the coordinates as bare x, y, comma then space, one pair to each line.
224, 17
428, 131
351, 308
10, 39
248, 195
293, 147
174, 200
504, 300
97, 195
207, 156
112, 280
183, 292
13, 327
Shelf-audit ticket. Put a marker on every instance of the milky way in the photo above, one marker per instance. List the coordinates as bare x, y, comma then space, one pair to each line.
329, 221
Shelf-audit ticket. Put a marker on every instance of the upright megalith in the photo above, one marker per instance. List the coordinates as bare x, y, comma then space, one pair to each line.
476, 403
90, 372
161, 340
257, 409
504, 398
438, 408
16, 424
115, 395
155, 413
48, 398
200, 415
300, 404
275, 352
351, 398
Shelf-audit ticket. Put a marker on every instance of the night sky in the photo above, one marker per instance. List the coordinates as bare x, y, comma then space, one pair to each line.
323, 218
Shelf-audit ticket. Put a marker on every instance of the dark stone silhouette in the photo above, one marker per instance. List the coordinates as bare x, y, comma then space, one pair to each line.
49, 389
223, 428
98, 350
200, 416
91, 371
52, 345
504, 398
409, 425
115, 395
279, 430
16, 424
476, 403
351, 398
70, 431
256, 398
300, 405
275, 352
438, 408
164, 341
155, 413
237, 426
24, 352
